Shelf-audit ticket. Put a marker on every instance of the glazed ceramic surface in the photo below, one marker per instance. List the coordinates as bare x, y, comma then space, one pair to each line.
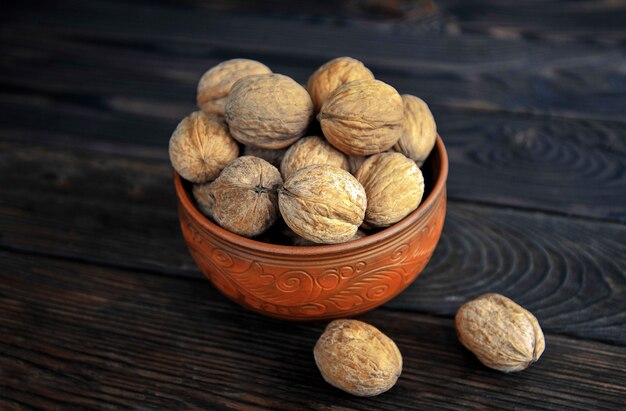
318, 282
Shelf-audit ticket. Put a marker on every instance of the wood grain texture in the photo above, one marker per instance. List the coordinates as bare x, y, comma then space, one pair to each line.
566, 166
552, 21
139, 44
121, 211
77, 336
77, 203
560, 21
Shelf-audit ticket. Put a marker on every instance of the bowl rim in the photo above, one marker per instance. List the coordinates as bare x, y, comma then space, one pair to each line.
186, 202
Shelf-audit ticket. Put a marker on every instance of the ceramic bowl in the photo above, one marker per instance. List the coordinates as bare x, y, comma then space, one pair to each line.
319, 282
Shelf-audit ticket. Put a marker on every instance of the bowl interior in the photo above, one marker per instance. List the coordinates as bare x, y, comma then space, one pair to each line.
435, 171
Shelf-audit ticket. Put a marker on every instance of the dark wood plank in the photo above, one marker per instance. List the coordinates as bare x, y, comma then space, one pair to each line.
79, 46
80, 202
585, 21
566, 166
553, 21
135, 128
121, 211
75, 336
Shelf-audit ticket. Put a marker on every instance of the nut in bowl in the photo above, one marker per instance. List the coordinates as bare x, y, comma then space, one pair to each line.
322, 281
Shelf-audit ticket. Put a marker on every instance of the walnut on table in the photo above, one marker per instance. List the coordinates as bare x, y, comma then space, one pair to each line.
357, 358
503, 335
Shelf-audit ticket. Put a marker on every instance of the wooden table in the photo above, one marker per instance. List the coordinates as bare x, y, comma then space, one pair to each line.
101, 305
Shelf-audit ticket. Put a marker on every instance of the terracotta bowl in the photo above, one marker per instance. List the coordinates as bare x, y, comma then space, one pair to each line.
319, 282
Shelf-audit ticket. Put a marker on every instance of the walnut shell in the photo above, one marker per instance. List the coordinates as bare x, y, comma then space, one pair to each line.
201, 147
419, 130
357, 358
308, 151
215, 84
274, 157
394, 186
322, 203
503, 335
243, 198
268, 111
333, 74
362, 117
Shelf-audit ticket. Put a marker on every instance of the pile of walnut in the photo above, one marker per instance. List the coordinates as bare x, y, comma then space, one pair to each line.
357, 165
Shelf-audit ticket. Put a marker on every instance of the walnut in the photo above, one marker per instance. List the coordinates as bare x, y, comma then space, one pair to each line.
308, 151
274, 157
362, 117
201, 147
323, 203
503, 335
394, 186
243, 198
215, 84
268, 111
419, 130
333, 74
357, 358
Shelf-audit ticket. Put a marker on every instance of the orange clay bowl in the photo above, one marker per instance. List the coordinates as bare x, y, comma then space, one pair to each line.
319, 282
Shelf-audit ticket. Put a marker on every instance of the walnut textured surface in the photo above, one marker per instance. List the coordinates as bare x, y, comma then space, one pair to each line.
419, 130
333, 74
357, 358
215, 84
322, 203
243, 199
308, 151
503, 335
362, 117
201, 147
394, 186
274, 157
268, 111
